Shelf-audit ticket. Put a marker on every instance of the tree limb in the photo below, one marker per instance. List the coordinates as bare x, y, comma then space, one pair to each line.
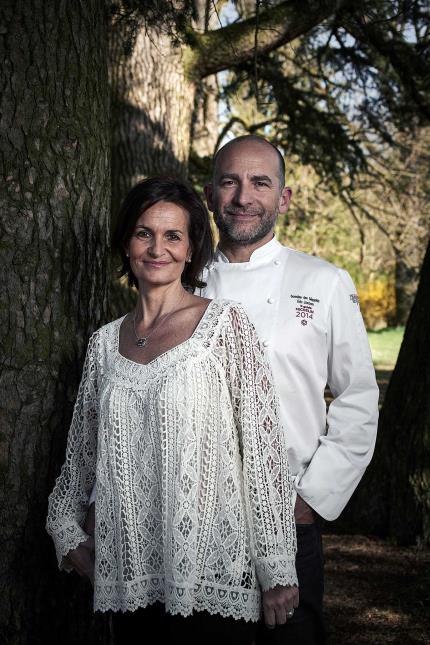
234, 45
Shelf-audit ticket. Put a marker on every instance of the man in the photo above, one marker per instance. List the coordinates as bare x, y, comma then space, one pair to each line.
307, 315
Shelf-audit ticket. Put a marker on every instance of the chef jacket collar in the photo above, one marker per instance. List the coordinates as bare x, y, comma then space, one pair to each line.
265, 252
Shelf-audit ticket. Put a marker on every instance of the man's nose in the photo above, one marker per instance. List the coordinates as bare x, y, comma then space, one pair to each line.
242, 195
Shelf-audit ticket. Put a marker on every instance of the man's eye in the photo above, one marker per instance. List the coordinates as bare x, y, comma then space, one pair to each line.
261, 184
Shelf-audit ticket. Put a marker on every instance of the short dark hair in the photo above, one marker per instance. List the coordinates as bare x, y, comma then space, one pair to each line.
255, 137
166, 189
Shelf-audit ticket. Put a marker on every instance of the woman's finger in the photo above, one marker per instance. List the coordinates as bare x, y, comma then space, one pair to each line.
269, 617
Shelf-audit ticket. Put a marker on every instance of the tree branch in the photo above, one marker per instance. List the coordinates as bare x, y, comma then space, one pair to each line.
234, 45
410, 65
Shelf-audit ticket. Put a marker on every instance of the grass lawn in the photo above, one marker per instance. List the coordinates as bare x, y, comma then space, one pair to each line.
385, 345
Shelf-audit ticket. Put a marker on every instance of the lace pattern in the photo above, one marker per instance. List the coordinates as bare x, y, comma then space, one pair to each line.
193, 504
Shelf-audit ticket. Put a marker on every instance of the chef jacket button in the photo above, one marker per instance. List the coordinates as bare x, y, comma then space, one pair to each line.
265, 343
277, 262
270, 301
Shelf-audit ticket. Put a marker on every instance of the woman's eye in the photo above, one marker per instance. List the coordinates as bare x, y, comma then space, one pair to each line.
173, 236
142, 233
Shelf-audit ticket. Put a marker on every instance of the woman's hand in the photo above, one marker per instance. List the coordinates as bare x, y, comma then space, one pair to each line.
279, 604
82, 559
90, 520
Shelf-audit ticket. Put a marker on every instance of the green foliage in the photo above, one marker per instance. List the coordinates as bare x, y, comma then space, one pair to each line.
385, 346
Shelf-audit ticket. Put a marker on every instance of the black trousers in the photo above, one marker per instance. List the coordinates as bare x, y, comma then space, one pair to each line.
306, 627
153, 625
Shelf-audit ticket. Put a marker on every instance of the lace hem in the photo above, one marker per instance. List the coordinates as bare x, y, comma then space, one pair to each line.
235, 603
66, 539
276, 571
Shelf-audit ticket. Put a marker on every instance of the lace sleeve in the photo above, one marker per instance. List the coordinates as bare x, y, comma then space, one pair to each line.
68, 501
267, 482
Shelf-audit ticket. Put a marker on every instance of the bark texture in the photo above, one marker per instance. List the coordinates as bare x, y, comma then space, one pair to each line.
152, 105
54, 154
204, 125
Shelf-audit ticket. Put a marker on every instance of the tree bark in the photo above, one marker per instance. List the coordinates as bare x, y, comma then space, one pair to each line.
394, 497
55, 201
407, 274
152, 106
204, 124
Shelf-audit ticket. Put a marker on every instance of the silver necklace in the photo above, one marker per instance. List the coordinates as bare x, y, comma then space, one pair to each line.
142, 341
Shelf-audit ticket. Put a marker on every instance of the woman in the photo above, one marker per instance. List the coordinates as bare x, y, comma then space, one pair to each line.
176, 420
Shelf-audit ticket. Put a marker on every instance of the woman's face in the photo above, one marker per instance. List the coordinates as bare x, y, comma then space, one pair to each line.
160, 244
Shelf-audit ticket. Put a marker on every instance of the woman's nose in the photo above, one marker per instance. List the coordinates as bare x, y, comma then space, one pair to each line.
156, 247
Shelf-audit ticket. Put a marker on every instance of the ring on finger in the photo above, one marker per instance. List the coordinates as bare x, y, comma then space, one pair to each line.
290, 613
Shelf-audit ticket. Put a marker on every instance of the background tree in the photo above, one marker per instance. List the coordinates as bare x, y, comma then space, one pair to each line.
55, 204
394, 194
394, 497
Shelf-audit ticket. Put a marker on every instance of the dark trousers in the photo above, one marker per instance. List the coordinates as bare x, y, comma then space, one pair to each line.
153, 625
306, 627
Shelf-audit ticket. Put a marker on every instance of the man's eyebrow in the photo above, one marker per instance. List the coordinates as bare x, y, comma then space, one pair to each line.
231, 175
228, 175
261, 178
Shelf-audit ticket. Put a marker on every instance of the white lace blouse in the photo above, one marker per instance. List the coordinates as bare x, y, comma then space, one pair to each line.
193, 504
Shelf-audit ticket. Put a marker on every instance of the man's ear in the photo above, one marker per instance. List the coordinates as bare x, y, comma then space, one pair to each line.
208, 188
284, 200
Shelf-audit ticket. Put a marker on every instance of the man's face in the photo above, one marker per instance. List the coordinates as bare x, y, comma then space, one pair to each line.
245, 195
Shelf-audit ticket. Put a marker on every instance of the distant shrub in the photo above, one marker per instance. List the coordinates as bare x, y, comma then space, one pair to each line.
378, 302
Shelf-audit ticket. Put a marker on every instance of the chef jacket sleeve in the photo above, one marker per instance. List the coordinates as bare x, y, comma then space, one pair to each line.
346, 449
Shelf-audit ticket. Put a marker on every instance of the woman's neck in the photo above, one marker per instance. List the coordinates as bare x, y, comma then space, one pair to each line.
156, 301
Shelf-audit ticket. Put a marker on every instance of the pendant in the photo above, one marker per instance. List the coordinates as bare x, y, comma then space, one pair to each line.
141, 342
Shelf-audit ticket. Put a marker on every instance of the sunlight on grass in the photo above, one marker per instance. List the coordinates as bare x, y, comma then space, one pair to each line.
385, 345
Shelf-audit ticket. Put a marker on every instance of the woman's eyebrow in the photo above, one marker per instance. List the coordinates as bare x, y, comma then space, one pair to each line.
170, 230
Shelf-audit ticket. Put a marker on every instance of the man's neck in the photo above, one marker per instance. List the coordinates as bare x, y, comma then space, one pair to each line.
235, 252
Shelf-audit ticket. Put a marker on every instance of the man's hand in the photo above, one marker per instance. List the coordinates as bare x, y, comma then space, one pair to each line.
303, 513
279, 604
82, 559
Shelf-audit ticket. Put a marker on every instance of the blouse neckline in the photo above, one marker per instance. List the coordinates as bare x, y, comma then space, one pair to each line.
168, 351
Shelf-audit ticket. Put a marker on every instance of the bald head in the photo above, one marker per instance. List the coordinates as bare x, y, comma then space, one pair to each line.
261, 146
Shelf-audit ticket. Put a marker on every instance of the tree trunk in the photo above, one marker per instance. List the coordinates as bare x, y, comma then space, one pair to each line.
204, 125
55, 205
407, 277
152, 106
394, 497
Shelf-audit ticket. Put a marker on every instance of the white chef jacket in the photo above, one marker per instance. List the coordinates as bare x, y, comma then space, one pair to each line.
306, 312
